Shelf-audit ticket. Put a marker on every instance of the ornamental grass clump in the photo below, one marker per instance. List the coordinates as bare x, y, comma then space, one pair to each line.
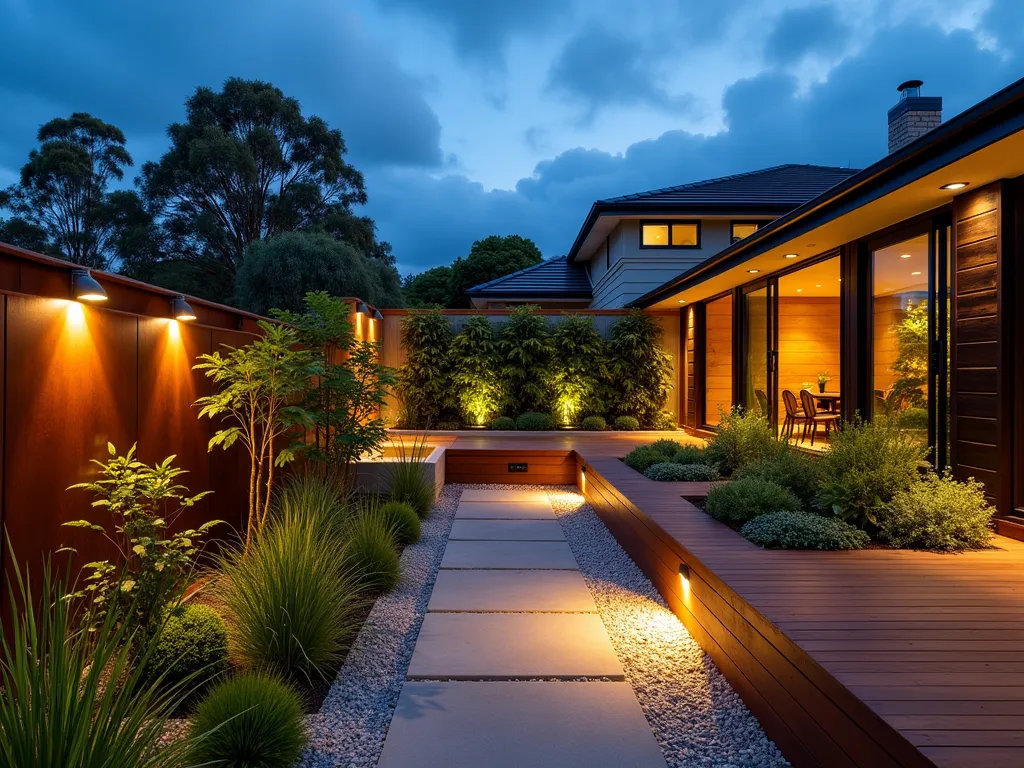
789, 468
408, 478
803, 530
402, 518
672, 472
743, 437
937, 512
736, 502
370, 551
250, 721
864, 467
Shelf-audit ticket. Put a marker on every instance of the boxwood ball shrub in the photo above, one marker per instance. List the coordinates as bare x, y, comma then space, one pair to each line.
251, 721
672, 472
594, 424
402, 518
689, 454
790, 469
738, 501
937, 512
370, 551
192, 645
503, 422
803, 530
626, 423
743, 437
534, 422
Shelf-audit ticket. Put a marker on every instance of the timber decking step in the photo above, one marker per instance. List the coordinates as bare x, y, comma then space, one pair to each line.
519, 555
511, 591
506, 530
511, 725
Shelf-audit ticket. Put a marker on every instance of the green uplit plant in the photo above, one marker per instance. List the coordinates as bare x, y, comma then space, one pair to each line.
525, 350
474, 355
143, 501
579, 367
258, 386
640, 368
911, 363
426, 376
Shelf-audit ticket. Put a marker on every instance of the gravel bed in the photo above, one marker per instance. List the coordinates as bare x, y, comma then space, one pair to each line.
698, 719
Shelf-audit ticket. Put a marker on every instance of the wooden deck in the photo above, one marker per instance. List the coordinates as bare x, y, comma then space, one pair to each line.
870, 658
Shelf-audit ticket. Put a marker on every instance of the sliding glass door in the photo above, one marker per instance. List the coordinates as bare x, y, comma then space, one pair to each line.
758, 322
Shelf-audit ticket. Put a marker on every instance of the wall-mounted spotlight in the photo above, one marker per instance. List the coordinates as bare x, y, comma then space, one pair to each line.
180, 309
85, 288
361, 308
377, 315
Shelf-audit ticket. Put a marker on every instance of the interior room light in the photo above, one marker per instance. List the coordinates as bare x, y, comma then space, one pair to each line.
799, 290
362, 309
904, 255
915, 273
955, 185
817, 285
180, 309
377, 315
682, 301
753, 271
790, 255
85, 288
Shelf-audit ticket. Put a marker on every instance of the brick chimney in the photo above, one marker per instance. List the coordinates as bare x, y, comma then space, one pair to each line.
913, 116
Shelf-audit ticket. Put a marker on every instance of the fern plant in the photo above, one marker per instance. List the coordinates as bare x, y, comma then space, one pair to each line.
474, 355
639, 367
426, 375
526, 353
579, 367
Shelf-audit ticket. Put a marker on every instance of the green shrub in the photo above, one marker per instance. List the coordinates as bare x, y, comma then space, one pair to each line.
579, 367
742, 438
290, 605
626, 424
594, 424
525, 351
474, 356
789, 468
250, 721
534, 422
644, 456
503, 422
738, 501
670, 471
640, 368
913, 418
449, 425
402, 518
370, 551
426, 375
408, 478
865, 465
192, 645
667, 447
937, 512
665, 422
689, 454
803, 530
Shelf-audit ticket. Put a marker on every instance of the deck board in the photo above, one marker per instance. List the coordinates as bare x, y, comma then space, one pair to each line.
875, 657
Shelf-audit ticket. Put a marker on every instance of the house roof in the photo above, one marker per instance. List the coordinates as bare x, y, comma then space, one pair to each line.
553, 277
769, 191
989, 121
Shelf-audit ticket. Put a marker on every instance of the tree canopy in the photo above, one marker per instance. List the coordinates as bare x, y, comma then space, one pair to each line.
61, 204
489, 259
428, 289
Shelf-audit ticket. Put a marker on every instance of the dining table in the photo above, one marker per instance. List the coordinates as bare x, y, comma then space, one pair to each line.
828, 400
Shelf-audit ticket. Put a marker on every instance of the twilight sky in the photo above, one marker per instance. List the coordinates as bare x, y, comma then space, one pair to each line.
473, 117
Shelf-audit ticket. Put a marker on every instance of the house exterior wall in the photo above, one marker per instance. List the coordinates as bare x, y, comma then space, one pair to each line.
634, 271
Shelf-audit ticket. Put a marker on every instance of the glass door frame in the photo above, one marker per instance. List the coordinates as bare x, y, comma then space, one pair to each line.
771, 286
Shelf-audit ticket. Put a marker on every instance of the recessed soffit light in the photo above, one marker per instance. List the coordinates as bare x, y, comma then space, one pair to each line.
953, 185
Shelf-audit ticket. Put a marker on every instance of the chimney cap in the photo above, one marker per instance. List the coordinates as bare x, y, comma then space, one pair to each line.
910, 84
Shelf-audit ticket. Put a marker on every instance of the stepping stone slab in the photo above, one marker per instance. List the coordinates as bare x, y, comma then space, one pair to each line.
512, 510
507, 530
511, 591
508, 554
488, 494
508, 646
511, 725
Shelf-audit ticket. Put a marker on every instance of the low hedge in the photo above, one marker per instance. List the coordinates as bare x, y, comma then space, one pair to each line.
626, 424
738, 501
503, 422
672, 472
803, 530
594, 424
534, 422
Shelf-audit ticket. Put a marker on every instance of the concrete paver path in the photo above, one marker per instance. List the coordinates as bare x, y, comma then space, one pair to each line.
509, 616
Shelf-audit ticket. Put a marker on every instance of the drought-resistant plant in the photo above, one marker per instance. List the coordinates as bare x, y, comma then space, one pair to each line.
594, 424
789, 468
348, 391
289, 600
665, 422
743, 437
316, 494
533, 422
640, 368
937, 512
525, 351
578, 369
667, 447
689, 454
370, 551
644, 456
738, 501
58, 706
503, 422
192, 645
142, 501
670, 471
474, 356
250, 721
803, 530
865, 465
426, 375
257, 386
408, 478
403, 520
626, 424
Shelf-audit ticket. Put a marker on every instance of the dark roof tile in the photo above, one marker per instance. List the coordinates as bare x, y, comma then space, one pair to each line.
553, 277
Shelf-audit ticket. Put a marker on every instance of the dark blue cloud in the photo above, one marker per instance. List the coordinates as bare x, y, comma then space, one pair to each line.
134, 64
816, 29
1004, 20
599, 68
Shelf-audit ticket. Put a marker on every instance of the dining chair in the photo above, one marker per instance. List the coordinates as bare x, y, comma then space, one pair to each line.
812, 418
762, 401
793, 413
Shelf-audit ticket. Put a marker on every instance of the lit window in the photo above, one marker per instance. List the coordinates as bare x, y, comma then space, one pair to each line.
670, 235
743, 229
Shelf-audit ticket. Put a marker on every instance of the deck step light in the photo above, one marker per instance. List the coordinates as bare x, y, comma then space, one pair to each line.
85, 288
684, 577
180, 309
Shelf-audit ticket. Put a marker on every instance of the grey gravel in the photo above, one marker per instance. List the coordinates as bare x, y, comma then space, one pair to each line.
695, 715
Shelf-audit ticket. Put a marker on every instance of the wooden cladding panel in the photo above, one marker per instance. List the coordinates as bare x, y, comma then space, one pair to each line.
976, 339
491, 466
689, 370
718, 361
809, 337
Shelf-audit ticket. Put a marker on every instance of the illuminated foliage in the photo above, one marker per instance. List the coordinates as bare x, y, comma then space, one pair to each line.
426, 375
911, 364
475, 370
579, 368
526, 353
639, 367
